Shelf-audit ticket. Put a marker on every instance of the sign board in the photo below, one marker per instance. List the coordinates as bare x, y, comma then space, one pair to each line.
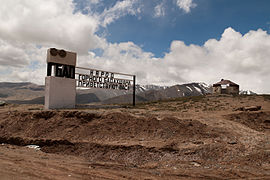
93, 78
62, 80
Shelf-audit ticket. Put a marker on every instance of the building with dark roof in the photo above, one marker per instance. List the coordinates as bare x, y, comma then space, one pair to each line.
225, 87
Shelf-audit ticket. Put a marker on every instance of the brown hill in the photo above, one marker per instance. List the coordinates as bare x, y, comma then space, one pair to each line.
184, 138
20, 91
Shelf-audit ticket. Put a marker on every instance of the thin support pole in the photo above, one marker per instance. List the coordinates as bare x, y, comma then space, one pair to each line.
134, 89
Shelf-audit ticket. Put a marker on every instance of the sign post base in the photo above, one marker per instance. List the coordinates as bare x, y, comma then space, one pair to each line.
60, 92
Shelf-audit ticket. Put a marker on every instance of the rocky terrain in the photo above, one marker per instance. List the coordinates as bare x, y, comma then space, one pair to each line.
29, 93
198, 137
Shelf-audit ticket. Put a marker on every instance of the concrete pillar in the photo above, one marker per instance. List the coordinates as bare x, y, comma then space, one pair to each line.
60, 83
60, 93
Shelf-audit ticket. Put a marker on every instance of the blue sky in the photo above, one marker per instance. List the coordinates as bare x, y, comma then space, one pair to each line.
206, 21
162, 42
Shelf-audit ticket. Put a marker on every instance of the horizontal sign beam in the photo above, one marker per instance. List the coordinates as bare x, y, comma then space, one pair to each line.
93, 78
97, 70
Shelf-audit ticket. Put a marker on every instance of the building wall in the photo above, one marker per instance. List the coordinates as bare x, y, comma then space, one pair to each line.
228, 90
233, 90
217, 90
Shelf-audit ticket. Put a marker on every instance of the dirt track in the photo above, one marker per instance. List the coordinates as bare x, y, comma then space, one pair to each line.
188, 138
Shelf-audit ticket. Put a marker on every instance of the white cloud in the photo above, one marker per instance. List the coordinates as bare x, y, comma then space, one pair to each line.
94, 1
26, 25
240, 58
48, 23
159, 10
11, 55
29, 27
121, 8
185, 5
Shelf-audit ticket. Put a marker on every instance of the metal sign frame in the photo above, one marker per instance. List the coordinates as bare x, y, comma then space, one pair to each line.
96, 78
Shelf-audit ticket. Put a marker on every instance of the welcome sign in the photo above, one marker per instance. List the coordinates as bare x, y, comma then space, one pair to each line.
92, 78
63, 77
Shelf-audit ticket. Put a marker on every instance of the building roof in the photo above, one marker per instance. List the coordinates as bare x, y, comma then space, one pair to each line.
225, 82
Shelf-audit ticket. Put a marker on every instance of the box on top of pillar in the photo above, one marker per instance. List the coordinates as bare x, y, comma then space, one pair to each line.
61, 57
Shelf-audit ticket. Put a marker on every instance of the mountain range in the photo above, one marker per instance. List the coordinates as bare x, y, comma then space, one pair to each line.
29, 93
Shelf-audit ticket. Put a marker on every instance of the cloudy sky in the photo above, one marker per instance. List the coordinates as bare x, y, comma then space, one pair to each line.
163, 42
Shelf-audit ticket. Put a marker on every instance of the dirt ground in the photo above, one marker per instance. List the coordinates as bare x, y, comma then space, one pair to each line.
202, 137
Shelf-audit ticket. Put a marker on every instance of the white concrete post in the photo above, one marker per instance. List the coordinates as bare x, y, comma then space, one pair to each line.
60, 90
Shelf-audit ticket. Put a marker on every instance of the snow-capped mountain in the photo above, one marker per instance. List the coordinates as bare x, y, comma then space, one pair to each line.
144, 88
190, 89
247, 92
155, 93
202, 88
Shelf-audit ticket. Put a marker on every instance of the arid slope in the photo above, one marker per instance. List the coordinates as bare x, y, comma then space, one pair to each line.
184, 138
